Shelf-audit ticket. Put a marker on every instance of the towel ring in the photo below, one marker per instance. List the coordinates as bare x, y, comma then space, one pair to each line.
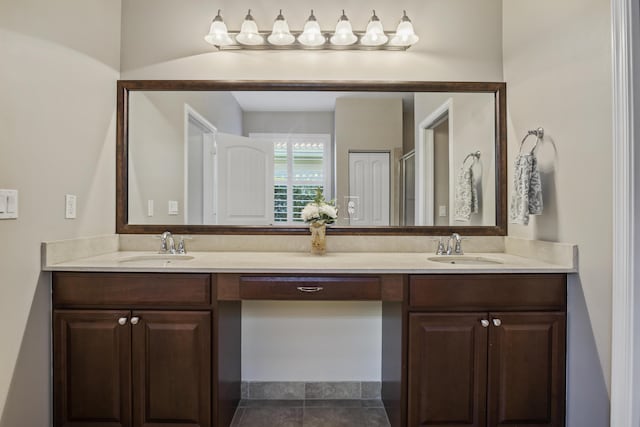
475, 156
538, 133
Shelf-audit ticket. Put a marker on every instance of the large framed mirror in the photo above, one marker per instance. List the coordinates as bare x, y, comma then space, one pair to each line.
223, 157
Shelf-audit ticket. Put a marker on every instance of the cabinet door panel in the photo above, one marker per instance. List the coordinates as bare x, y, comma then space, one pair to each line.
527, 369
92, 368
172, 369
447, 370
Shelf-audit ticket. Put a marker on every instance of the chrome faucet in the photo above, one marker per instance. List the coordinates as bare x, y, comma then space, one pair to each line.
167, 244
457, 246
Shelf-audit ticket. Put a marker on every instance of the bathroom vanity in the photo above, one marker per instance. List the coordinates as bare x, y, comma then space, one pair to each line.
140, 343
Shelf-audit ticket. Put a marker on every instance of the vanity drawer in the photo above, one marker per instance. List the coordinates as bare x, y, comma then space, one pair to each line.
132, 289
488, 292
310, 287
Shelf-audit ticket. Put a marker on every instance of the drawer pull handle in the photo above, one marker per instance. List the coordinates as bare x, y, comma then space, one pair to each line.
497, 322
135, 320
310, 289
122, 321
484, 323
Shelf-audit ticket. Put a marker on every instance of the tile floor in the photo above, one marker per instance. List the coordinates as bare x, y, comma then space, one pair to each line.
310, 413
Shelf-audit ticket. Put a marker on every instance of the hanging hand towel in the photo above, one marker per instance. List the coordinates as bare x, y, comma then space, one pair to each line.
466, 200
526, 198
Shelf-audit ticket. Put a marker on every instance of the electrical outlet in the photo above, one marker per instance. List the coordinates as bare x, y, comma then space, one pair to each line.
149, 207
173, 207
70, 206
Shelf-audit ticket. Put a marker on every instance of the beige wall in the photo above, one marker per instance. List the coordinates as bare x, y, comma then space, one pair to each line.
156, 137
558, 71
365, 124
60, 63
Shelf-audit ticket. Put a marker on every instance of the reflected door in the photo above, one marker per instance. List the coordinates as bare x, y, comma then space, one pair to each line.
369, 188
243, 181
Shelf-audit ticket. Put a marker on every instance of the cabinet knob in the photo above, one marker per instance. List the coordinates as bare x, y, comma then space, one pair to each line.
496, 322
484, 323
122, 321
135, 320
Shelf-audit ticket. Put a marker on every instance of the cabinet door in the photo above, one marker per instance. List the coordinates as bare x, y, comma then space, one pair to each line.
171, 368
527, 369
91, 368
447, 369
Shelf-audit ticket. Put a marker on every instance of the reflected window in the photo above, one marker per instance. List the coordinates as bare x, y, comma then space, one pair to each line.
301, 164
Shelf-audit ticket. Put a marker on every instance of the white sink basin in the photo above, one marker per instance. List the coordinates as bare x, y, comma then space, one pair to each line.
156, 259
465, 260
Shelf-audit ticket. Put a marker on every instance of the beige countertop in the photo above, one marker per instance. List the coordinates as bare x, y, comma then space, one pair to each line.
302, 262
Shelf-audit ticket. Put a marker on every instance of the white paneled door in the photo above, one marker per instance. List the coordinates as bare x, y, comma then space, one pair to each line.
242, 175
369, 188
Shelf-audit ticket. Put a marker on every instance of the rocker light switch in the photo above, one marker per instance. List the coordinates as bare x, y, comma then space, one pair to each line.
8, 204
70, 206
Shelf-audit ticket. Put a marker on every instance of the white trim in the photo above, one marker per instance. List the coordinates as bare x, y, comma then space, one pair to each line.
625, 389
191, 114
425, 163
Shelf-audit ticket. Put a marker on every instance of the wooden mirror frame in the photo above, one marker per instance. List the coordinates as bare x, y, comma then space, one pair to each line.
124, 87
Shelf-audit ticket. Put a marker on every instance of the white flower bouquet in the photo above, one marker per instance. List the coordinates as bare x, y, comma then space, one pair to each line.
320, 211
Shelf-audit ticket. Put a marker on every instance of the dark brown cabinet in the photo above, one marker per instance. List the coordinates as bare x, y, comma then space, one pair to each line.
133, 367
478, 369
481, 350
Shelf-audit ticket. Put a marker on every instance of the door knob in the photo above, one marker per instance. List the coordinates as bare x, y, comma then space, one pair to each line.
135, 320
122, 321
496, 322
484, 323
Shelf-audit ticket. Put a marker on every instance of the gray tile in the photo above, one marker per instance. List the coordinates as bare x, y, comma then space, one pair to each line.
276, 390
372, 403
333, 403
244, 390
271, 417
342, 390
333, 417
313, 390
371, 389
237, 417
375, 417
271, 403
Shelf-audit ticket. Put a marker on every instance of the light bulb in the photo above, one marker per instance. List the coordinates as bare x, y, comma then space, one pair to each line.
374, 35
249, 32
343, 36
405, 36
218, 34
280, 34
311, 34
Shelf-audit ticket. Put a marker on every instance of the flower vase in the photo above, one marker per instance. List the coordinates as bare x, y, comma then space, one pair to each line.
318, 238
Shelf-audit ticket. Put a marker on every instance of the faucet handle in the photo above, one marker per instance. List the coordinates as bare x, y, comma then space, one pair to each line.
181, 248
440, 250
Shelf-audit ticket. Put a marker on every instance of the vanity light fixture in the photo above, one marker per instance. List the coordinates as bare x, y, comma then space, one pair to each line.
374, 36
280, 35
311, 37
249, 34
311, 34
343, 35
405, 36
218, 33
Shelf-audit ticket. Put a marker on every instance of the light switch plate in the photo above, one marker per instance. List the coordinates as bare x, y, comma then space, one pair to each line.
442, 210
70, 206
173, 207
150, 207
8, 204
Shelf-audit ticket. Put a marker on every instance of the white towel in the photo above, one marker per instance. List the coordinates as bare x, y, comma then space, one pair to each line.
526, 198
466, 200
